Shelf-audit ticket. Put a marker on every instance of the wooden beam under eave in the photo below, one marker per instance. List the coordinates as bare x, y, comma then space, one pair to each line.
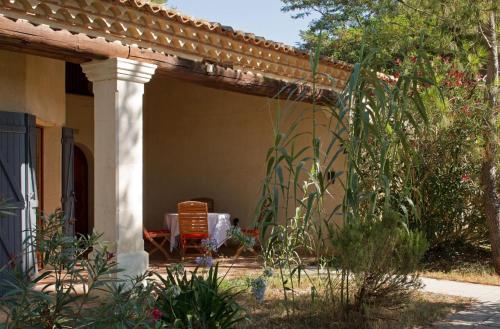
24, 37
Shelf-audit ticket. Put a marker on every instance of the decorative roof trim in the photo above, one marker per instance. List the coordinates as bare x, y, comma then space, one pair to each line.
146, 26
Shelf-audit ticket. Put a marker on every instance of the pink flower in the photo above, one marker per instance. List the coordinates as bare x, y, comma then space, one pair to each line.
465, 178
157, 314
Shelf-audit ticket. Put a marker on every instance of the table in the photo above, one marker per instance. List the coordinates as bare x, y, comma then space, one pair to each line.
218, 225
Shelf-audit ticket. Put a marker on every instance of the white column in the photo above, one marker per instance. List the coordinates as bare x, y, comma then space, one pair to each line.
118, 94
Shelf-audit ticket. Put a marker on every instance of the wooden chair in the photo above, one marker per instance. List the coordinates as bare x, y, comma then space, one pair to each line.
151, 236
193, 225
208, 201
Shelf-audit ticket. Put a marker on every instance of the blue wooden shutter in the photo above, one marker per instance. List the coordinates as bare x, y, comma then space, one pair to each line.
68, 180
18, 187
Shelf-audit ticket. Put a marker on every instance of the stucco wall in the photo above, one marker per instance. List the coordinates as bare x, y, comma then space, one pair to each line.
198, 142
202, 142
36, 85
80, 117
33, 84
12, 81
45, 89
52, 169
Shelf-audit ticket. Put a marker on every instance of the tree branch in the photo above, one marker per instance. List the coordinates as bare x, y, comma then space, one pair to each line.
486, 38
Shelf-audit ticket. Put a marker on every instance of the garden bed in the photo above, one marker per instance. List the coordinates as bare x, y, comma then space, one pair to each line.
308, 312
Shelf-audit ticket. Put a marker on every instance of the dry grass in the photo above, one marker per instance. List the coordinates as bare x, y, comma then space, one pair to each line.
465, 276
423, 310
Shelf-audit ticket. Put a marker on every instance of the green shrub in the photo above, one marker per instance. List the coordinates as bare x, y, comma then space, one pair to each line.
381, 257
130, 304
242, 239
197, 301
75, 290
452, 208
82, 290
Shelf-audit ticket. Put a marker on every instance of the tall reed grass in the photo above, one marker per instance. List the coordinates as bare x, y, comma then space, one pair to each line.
339, 185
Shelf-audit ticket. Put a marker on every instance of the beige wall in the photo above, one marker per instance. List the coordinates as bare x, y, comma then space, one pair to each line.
33, 84
202, 142
52, 169
36, 85
80, 117
12, 81
198, 142
45, 89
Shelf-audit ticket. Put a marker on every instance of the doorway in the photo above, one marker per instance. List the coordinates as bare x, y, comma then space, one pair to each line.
81, 175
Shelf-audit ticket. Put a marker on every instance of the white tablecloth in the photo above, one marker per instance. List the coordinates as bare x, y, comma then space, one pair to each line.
218, 225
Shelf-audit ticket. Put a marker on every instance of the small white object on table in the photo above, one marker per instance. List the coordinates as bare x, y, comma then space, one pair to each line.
218, 225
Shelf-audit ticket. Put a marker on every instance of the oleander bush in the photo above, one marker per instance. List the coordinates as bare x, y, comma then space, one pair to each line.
73, 290
79, 288
451, 197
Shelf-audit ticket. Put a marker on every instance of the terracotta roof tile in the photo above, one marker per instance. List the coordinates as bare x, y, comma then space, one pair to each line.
227, 31
140, 24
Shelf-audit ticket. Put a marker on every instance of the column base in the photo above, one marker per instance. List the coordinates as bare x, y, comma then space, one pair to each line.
132, 264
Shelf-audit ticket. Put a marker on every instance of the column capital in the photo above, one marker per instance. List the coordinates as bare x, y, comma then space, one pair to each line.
118, 69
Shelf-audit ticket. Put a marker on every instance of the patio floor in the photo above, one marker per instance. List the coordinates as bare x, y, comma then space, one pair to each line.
245, 265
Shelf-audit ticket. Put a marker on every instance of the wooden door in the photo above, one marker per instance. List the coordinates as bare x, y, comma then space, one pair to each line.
81, 171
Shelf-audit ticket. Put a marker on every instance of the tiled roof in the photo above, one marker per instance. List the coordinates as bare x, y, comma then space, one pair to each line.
226, 30
148, 26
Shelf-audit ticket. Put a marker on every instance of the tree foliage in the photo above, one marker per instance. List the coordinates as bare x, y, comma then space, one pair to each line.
392, 28
455, 35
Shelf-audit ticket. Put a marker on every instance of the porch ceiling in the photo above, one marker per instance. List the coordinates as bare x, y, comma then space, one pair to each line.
151, 28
